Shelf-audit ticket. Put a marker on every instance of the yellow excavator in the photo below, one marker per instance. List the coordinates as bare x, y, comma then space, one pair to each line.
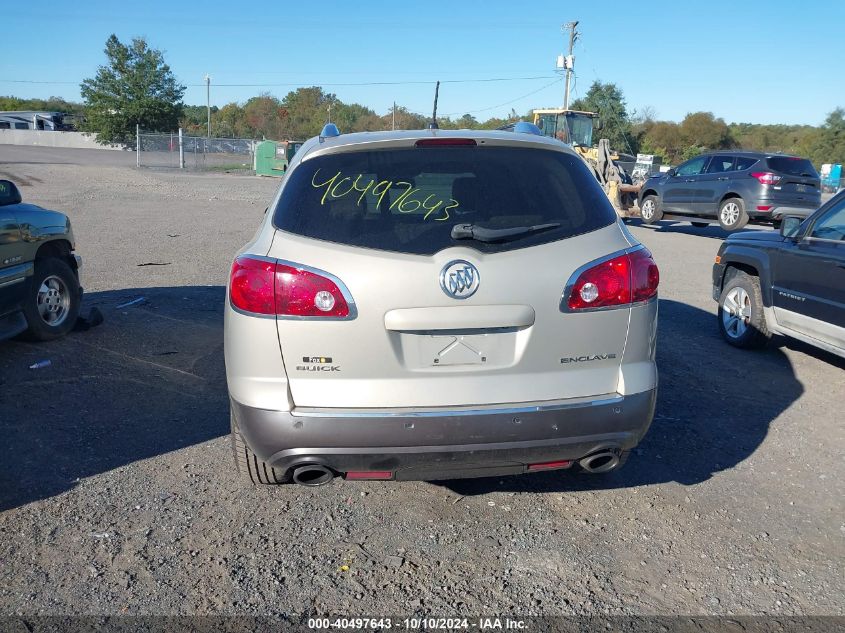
575, 127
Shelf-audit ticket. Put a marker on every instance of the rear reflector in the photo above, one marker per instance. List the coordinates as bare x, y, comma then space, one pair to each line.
369, 474
764, 207
445, 142
626, 279
766, 177
550, 465
267, 287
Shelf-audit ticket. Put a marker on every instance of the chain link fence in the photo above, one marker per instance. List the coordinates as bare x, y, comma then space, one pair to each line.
155, 149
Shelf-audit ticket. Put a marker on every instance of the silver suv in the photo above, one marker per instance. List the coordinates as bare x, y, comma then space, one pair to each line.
438, 304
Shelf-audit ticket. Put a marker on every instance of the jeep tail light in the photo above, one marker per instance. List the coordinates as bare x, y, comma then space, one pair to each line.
766, 177
268, 287
621, 281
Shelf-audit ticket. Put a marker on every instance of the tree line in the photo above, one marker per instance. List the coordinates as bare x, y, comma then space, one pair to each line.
137, 87
641, 132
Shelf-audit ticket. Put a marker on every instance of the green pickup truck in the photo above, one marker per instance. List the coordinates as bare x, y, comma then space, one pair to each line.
40, 293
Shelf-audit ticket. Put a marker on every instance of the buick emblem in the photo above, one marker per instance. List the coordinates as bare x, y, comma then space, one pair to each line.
459, 279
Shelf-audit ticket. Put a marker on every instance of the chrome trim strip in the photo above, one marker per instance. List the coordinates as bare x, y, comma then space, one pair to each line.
4, 284
353, 308
570, 284
15, 274
557, 406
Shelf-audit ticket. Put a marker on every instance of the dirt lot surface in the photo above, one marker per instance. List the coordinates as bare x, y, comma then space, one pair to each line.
118, 493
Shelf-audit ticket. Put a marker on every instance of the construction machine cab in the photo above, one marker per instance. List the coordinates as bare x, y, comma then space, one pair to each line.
570, 126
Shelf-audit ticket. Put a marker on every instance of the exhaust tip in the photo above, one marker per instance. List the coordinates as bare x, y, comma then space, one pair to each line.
312, 475
601, 462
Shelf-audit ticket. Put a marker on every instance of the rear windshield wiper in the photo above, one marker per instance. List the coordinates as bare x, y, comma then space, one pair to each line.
484, 234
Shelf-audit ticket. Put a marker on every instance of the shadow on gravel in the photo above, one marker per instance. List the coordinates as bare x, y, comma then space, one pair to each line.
149, 380
713, 231
714, 407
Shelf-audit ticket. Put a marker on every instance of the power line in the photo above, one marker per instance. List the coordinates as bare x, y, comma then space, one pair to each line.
328, 84
533, 92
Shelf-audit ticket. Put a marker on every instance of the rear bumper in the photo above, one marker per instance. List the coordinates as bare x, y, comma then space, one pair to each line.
441, 444
779, 210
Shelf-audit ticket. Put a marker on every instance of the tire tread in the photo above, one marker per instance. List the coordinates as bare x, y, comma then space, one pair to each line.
251, 469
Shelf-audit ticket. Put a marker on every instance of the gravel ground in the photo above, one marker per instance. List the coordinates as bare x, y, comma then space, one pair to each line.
118, 494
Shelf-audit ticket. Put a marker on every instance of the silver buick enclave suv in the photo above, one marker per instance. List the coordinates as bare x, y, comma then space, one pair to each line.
438, 304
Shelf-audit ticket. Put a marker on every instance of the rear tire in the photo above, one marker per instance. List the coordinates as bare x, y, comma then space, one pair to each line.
53, 300
732, 215
741, 319
251, 469
651, 212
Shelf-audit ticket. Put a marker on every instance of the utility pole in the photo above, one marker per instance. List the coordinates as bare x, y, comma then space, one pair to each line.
208, 101
393, 127
569, 62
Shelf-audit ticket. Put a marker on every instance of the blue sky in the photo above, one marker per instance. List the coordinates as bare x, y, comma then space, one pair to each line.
773, 62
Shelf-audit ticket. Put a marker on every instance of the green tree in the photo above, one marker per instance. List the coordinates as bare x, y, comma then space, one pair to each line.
607, 100
53, 104
829, 146
663, 138
135, 87
703, 130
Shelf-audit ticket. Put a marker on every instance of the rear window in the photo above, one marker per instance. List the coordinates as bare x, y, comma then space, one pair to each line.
408, 200
792, 165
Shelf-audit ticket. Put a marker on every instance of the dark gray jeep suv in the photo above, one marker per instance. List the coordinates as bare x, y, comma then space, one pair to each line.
733, 187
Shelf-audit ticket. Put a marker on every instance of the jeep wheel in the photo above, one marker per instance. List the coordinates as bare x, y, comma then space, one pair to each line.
732, 215
741, 318
52, 302
651, 211
250, 468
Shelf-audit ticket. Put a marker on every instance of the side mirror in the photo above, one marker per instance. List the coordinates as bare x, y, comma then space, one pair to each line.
790, 226
9, 193
671, 173
597, 124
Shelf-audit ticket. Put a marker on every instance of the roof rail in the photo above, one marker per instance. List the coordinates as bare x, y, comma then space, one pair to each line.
521, 127
329, 130
524, 127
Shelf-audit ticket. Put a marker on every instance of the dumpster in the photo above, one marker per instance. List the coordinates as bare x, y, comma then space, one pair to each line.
272, 157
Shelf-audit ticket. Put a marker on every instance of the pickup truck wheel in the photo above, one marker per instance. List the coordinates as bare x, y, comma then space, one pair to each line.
741, 318
732, 215
250, 467
52, 301
651, 211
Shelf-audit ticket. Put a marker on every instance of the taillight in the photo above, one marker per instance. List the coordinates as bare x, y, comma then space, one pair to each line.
766, 177
268, 287
252, 285
629, 278
303, 293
